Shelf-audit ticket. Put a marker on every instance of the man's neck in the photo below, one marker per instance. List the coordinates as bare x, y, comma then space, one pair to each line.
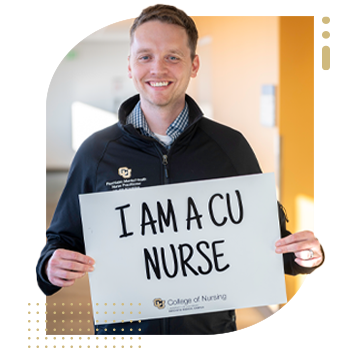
159, 118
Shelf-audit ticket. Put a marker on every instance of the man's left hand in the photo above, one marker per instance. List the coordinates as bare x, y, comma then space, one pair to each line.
304, 245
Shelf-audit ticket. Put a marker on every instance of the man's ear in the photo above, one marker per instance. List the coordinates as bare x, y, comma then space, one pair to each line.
195, 66
129, 68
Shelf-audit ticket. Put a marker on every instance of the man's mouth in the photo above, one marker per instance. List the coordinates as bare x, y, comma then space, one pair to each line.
159, 83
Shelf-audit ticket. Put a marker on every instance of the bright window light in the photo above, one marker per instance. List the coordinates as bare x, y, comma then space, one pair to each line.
86, 120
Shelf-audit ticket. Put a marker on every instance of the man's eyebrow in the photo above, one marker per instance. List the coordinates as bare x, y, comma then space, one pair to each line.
143, 51
177, 52
146, 50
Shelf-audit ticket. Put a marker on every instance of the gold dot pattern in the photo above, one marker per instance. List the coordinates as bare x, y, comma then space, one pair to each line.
100, 312
56, 312
61, 317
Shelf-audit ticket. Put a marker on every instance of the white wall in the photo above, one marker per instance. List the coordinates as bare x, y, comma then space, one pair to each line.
96, 74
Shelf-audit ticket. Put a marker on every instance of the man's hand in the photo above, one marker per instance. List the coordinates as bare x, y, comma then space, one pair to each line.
304, 245
65, 266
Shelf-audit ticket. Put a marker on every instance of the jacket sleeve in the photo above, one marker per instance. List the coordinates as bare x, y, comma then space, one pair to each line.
290, 266
65, 230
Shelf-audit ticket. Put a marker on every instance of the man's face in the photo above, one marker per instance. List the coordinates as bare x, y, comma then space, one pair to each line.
160, 64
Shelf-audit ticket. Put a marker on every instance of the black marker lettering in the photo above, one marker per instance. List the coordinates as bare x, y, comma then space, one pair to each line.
211, 213
191, 204
145, 210
210, 265
215, 255
123, 221
170, 215
184, 261
154, 264
240, 218
162, 250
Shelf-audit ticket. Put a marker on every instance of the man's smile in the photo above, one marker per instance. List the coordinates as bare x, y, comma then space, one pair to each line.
158, 83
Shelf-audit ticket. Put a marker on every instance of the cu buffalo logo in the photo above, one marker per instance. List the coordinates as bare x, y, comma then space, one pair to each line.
124, 172
159, 303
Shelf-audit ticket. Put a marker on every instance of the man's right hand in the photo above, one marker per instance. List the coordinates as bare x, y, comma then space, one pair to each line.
65, 266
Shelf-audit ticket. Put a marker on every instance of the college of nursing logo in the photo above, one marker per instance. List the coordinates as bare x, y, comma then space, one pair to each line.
124, 172
159, 303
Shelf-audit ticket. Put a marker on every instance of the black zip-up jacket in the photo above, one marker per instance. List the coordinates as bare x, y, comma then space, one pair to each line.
205, 150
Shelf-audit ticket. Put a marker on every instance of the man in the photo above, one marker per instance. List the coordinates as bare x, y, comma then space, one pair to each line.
163, 137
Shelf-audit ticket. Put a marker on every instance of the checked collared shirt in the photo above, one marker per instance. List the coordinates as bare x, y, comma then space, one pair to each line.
138, 120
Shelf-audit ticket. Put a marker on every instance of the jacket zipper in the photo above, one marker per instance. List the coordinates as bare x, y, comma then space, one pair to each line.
165, 164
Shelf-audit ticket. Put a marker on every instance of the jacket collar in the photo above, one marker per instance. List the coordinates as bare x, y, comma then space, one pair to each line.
126, 108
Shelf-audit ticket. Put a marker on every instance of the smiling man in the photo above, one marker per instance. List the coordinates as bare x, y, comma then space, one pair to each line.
161, 65
162, 137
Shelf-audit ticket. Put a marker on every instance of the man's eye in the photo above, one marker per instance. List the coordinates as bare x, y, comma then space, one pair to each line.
144, 58
173, 58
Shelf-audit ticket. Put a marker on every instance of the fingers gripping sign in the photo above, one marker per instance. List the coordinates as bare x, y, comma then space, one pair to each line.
304, 245
65, 266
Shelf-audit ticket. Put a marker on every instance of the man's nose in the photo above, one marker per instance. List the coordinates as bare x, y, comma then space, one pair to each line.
159, 67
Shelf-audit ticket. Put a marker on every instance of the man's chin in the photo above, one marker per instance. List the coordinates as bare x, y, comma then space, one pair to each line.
159, 102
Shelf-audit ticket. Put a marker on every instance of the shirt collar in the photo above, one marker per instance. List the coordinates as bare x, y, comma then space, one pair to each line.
138, 120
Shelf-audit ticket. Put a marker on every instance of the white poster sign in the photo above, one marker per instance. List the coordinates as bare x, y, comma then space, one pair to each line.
183, 249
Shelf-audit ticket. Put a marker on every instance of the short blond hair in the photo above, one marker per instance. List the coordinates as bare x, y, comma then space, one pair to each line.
172, 15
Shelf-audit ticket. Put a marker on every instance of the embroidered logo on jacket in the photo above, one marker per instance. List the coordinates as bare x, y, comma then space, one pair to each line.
124, 172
